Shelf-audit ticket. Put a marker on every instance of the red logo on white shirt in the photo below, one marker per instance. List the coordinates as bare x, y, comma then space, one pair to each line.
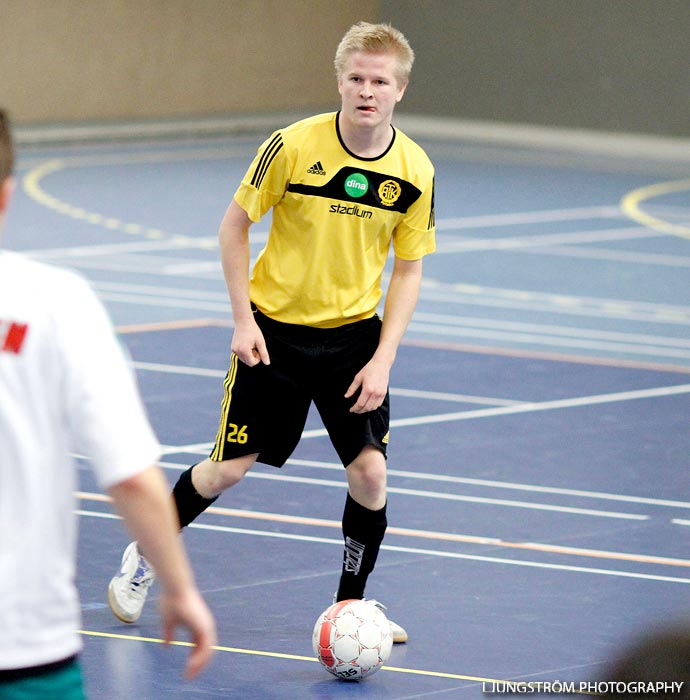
12, 336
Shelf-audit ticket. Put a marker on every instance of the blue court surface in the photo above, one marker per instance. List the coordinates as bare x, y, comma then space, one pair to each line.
539, 465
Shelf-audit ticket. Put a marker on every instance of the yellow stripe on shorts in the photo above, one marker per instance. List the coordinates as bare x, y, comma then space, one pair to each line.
228, 384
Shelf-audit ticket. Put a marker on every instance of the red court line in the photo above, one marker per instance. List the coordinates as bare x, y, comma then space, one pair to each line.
538, 355
431, 535
173, 325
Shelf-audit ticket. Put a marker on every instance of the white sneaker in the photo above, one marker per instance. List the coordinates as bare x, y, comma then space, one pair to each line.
398, 633
128, 589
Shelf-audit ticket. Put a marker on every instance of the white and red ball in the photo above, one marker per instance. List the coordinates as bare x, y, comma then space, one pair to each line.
352, 639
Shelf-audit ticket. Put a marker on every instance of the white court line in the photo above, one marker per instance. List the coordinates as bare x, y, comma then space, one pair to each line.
447, 244
512, 408
137, 246
431, 289
623, 256
532, 488
163, 292
152, 266
428, 534
284, 477
178, 369
531, 407
456, 497
455, 326
549, 335
460, 293
445, 396
566, 245
408, 393
504, 298
33, 187
42, 168
197, 448
165, 302
204, 448
417, 550
531, 217
552, 341
542, 406
550, 329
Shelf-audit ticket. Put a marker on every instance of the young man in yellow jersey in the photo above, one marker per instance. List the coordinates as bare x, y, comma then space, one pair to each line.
343, 188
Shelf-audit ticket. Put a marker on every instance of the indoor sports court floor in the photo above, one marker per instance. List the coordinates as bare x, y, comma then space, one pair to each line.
539, 463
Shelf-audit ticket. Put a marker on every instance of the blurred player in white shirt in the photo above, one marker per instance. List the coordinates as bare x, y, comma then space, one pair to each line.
65, 387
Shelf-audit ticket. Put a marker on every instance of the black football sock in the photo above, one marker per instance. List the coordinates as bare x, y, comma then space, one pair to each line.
363, 530
189, 502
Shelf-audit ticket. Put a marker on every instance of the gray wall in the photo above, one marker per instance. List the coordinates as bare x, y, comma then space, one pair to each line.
68, 60
616, 65
619, 65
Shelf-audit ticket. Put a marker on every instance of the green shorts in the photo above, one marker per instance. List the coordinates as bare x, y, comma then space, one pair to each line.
61, 681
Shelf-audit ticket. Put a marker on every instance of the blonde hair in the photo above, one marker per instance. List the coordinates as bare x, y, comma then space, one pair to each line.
6, 147
375, 38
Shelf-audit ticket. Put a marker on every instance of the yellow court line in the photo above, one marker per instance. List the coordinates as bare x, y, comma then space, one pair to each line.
175, 643
274, 654
432, 535
278, 655
33, 188
297, 657
630, 204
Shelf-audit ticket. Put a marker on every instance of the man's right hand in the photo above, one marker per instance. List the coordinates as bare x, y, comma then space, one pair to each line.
248, 343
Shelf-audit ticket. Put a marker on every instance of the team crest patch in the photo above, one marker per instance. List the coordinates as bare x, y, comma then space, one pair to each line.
389, 192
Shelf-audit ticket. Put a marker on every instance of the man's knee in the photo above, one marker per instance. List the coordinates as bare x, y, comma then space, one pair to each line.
212, 478
366, 476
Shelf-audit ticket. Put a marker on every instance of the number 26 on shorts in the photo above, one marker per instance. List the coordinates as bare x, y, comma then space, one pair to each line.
237, 433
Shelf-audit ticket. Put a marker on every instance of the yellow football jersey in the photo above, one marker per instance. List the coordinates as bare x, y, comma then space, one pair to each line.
334, 217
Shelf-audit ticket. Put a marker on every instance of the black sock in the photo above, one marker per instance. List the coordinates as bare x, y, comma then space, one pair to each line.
363, 530
189, 502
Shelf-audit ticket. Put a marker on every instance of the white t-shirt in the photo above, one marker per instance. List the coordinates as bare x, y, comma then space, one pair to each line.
65, 387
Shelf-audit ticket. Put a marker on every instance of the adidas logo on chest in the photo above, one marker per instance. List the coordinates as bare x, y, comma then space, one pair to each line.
316, 169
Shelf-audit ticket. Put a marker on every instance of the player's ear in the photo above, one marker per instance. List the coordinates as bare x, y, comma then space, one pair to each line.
401, 91
6, 189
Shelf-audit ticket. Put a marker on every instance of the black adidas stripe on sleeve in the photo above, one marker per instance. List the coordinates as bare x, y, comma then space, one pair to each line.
275, 144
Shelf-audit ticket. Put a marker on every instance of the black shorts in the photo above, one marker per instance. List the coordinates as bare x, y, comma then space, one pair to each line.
264, 408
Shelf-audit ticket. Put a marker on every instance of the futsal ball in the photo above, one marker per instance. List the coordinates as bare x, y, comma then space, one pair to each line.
352, 639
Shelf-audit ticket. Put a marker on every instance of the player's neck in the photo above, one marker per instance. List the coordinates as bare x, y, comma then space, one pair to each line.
366, 142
